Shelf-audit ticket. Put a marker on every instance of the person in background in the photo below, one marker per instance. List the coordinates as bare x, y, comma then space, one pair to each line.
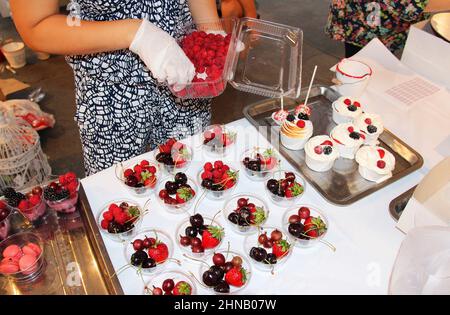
236, 8
356, 22
121, 52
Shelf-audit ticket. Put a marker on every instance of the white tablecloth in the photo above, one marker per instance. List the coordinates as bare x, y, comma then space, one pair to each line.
363, 233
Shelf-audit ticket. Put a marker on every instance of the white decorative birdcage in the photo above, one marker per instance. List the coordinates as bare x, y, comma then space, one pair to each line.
22, 162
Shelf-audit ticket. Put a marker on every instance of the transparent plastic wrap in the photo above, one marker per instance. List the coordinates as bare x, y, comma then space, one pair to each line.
263, 58
422, 265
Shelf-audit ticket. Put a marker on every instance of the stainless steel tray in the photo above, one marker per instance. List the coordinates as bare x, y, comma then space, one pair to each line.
342, 185
76, 261
398, 204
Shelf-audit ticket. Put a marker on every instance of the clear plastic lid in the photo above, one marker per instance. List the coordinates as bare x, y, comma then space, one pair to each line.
271, 63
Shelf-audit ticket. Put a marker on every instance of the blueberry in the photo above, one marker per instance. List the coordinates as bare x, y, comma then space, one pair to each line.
327, 150
303, 116
372, 129
352, 108
290, 117
355, 135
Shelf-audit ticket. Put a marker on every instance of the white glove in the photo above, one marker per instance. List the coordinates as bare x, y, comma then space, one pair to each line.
162, 55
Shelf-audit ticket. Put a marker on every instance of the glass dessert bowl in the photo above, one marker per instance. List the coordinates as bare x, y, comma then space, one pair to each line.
173, 156
218, 140
177, 193
218, 180
139, 178
258, 163
285, 187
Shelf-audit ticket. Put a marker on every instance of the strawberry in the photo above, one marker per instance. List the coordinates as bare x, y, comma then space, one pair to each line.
184, 194
212, 236
327, 142
182, 288
150, 182
280, 248
258, 215
35, 200
314, 227
227, 139
164, 148
382, 153
24, 205
237, 276
159, 252
294, 190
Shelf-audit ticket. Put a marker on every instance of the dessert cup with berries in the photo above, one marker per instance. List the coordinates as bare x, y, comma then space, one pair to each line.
258, 163
306, 224
173, 156
22, 257
285, 187
171, 282
269, 249
207, 46
62, 195
198, 235
31, 204
225, 272
5, 220
217, 140
244, 213
177, 193
218, 180
149, 251
139, 177
120, 219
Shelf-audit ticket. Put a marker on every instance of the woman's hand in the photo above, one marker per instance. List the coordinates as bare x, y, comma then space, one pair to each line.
162, 55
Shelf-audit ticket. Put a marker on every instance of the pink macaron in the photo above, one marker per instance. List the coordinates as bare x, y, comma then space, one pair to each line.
27, 264
8, 266
31, 249
13, 251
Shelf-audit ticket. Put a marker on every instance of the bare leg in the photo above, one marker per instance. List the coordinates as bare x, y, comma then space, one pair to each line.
232, 8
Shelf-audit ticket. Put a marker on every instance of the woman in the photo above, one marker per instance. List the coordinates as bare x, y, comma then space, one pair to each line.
357, 22
119, 50
236, 8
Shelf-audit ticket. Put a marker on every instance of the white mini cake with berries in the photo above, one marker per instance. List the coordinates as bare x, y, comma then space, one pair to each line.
347, 139
296, 130
371, 125
375, 163
320, 153
345, 110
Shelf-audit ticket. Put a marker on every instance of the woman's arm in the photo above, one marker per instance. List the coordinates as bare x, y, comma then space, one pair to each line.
437, 5
203, 10
44, 29
249, 8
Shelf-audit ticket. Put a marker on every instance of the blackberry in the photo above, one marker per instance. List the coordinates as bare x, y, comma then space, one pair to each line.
290, 117
63, 194
303, 116
9, 192
50, 194
327, 150
14, 200
372, 129
355, 135
352, 108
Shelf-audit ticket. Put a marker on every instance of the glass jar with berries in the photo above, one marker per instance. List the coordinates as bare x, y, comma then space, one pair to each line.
217, 140
177, 193
173, 156
218, 180
5, 220
119, 219
258, 163
285, 187
31, 204
61, 195
139, 177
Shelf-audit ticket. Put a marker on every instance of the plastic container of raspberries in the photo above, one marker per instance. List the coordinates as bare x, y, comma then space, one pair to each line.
61, 195
254, 56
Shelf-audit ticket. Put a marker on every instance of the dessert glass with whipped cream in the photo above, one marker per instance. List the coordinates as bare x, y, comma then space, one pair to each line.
296, 130
347, 139
371, 125
320, 153
375, 163
346, 109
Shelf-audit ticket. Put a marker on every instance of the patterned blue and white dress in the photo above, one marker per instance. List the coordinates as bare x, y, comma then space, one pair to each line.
121, 109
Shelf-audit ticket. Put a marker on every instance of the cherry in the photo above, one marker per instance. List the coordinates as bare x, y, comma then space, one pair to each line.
37, 190
303, 213
236, 261
268, 243
196, 241
197, 249
148, 242
294, 218
289, 176
168, 285
381, 164
138, 244
185, 241
262, 238
190, 231
210, 278
242, 202
163, 194
228, 266
157, 291
196, 220
219, 259
276, 235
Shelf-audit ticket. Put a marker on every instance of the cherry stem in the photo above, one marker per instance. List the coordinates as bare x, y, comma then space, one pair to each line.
200, 199
214, 217
202, 284
328, 244
120, 270
195, 259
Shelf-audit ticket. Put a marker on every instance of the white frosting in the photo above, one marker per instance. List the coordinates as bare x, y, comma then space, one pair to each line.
318, 140
375, 121
368, 157
342, 108
341, 134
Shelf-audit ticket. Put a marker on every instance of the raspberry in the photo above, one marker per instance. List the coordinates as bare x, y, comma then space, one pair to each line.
207, 175
217, 174
24, 205
145, 163
62, 179
128, 173
108, 216
381, 164
357, 104
218, 164
35, 200
104, 224
225, 168
301, 124
70, 177
318, 149
137, 169
368, 121
350, 129
208, 166
152, 169
347, 102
